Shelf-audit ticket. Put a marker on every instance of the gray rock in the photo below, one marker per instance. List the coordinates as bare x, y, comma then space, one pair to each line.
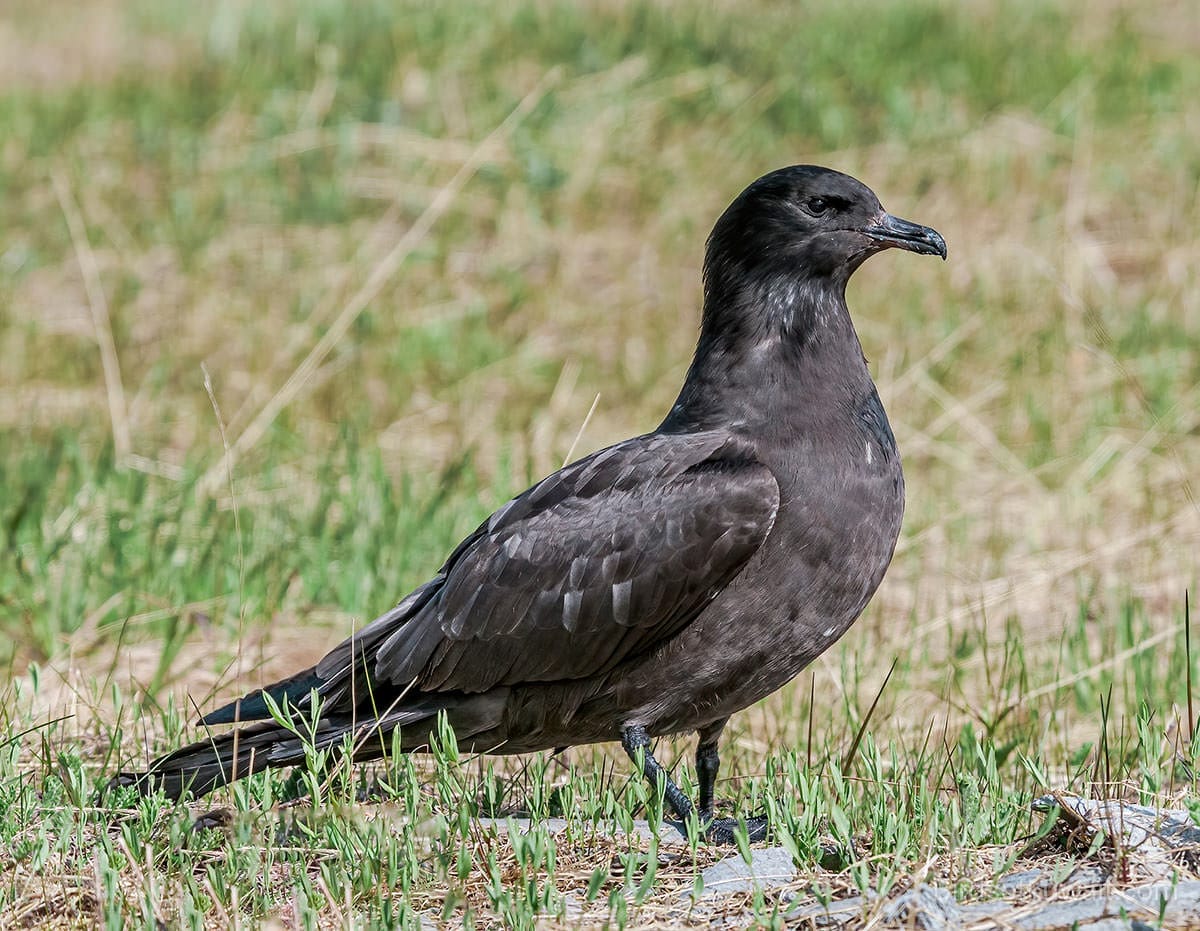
429, 921
924, 907
1182, 896
1045, 880
1178, 905
1086, 875
1155, 905
1153, 833
1014, 882
575, 905
977, 912
767, 869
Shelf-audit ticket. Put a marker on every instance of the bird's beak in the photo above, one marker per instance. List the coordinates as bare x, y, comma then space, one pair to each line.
892, 231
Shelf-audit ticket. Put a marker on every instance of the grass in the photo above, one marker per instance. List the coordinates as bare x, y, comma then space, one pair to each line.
390, 255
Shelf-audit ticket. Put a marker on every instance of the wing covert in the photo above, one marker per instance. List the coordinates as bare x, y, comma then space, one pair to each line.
610, 556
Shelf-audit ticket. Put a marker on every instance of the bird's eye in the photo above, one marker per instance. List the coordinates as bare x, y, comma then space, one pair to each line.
817, 206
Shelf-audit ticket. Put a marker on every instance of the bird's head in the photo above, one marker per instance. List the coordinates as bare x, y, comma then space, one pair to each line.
807, 222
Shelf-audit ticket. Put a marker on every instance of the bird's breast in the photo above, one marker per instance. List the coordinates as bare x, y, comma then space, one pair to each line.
841, 493
842, 499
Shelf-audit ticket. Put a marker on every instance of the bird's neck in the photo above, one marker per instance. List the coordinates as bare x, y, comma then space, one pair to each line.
774, 354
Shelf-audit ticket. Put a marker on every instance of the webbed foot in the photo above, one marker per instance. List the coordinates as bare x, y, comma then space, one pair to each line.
724, 830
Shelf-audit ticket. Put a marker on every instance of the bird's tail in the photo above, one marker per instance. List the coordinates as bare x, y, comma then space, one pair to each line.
215, 761
220, 759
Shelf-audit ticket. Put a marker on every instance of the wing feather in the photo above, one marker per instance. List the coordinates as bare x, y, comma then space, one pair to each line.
610, 556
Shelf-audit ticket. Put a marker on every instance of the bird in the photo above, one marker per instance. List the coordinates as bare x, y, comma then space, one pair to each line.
659, 585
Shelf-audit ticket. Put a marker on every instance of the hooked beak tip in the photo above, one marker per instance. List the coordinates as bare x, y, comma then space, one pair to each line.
890, 231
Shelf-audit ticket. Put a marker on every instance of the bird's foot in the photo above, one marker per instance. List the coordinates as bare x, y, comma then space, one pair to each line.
725, 830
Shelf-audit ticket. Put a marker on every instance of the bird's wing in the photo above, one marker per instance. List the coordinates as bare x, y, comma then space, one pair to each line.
608, 557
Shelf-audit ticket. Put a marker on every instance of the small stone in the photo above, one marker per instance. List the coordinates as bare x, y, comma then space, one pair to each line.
1177, 905
767, 869
1014, 882
1153, 833
924, 907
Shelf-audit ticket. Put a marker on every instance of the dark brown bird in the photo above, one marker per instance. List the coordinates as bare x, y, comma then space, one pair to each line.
661, 584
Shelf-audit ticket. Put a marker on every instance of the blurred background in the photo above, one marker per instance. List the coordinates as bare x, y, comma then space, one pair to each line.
293, 294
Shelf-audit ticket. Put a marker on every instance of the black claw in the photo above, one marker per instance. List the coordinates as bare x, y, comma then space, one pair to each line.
724, 830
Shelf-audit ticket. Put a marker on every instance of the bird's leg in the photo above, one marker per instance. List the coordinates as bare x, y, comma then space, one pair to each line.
708, 764
636, 742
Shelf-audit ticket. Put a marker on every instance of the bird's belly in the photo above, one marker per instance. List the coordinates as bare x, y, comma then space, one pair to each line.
794, 599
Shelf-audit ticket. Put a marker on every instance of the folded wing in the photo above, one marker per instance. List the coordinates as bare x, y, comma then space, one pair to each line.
607, 558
